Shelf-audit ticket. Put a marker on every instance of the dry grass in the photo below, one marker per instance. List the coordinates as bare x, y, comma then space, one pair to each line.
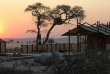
16, 47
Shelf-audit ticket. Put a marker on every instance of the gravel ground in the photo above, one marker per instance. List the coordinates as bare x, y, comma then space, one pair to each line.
23, 64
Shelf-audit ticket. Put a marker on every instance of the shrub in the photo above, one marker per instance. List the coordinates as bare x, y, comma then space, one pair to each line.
92, 63
13, 71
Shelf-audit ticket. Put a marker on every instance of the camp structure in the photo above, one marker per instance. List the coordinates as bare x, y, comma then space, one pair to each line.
97, 36
2, 46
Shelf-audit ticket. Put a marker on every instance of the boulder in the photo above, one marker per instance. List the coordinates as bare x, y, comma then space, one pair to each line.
43, 58
56, 55
36, 58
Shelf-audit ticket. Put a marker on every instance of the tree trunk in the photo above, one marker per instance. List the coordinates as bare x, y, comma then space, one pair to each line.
47, 36
38, 34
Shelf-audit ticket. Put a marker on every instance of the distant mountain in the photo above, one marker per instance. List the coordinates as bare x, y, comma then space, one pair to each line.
57, 40
20, 39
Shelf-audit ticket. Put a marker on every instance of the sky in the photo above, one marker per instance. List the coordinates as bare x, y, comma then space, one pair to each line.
14, 22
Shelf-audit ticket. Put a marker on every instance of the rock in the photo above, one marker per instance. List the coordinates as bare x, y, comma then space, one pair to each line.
44, 57
36, 58
56, 55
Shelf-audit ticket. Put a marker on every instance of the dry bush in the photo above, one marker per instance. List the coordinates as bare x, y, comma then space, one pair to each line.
91, 63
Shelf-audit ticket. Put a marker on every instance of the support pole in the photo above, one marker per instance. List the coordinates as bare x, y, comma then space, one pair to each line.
109, 24
5, 47
47, 47
27, 48
0, 47
21, 48
86, 44
56, 47
64, 47
98, 35
37, 48
80, 42
77, 37
32, 48
69, 42
60, 47
85, 41
71, 46
51, 47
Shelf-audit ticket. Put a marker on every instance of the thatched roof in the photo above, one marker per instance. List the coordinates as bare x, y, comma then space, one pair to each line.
83, 29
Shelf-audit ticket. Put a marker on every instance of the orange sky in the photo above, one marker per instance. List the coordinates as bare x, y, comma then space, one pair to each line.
14, 22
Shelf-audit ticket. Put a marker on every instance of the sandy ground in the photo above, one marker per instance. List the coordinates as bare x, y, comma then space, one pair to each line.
24, 64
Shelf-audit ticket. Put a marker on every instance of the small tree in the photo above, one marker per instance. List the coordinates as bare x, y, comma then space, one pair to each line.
51, 41
10, 40
17, 41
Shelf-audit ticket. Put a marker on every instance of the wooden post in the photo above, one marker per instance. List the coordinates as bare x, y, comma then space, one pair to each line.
21, 48
98, 35
47, 48
27, 48
37, 47
86, 44
32, 48
71, 46
0, 47
80, 42
5, 47
60, 46
56, 47
51, 47
44, 48
69, 42
64, 47
109, 24
85, 41
77, 37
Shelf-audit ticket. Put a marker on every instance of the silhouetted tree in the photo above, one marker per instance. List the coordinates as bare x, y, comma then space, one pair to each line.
40, 12
62, 13
78, 12
51, 41
34, 41
29, 41
17, 41
10, 40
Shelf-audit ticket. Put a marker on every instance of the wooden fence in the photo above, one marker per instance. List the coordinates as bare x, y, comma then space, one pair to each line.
61, 47
2, 47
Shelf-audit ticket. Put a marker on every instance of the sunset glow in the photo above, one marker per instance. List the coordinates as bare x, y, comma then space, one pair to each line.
1, 28
14, 22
